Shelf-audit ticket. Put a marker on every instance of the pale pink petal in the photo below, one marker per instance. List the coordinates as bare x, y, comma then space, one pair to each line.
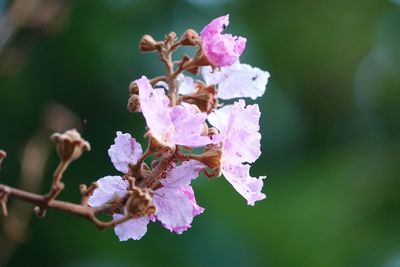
185, 84
221, 49
241, 133
124, 151
154, 105
237, 80
174, 208
108, 188
133, 229
219, 117
188, 123
249, 187
188, 190
183, 174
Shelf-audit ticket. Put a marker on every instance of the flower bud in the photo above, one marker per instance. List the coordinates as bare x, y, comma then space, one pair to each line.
190, 37
133, 88
148, 44
212, 131
140, 203
205, 97
70, 145
134, 104
210, 158
194, 71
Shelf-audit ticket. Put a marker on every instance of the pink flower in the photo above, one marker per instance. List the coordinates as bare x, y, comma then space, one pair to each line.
180, 125
221, 49
241, 145
175, 202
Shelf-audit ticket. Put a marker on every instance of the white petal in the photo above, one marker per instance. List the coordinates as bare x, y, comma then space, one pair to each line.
133, 229
219, 117
108, 188
124, 151
237, 80
186, 84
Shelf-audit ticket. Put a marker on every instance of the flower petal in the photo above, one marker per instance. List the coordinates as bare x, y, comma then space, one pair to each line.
186, 84
183, 174
108, 188
154, 105
133, 229
219, 117
188, 123
221, 49
241, 133
124, 151
237, 80
174, 209
249, 187
188, 190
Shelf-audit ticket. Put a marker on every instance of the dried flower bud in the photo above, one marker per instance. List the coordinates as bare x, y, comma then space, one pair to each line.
133, 88
190, 37
70, 145
148, 44
140, 203
212, 131
194, 71
205, 98
3, 154
210, 158
134, 104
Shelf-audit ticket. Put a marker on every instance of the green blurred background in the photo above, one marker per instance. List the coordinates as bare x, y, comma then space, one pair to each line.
330, 127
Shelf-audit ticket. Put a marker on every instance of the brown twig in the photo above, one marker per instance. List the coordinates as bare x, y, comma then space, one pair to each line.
84, 211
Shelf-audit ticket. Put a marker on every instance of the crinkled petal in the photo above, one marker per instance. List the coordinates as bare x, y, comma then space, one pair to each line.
249, 187
241, 133
154, 105
221, 49
108, 188
188, 190
186, 84
124, 151
216, 26
219, 117
183, 174
237, 80
188, 126
174, 208
133, 229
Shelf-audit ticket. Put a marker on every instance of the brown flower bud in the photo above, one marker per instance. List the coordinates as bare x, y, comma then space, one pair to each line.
133, 88
205, 98
194, 70
148, 44
190, 37
210, 158
140, 203
212, 131
134, 104
70, 145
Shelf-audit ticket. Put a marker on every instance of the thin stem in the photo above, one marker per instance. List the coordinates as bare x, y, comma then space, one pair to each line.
86, 212
57, 186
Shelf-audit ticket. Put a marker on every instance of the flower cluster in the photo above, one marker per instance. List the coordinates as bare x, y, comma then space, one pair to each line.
183, 113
